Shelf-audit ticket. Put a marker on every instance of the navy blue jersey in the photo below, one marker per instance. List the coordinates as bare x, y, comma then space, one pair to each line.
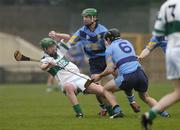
76, 53
92, 41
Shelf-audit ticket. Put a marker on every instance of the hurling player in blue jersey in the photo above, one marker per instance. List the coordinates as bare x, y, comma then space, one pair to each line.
120, 55
155, 42
90, 37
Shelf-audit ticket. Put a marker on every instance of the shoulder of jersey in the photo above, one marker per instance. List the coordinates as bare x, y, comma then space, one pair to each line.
102, 27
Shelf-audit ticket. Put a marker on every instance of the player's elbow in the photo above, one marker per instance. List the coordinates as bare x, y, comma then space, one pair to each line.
66, 37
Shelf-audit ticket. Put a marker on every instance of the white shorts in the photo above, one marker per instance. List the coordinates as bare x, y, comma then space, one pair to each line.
78, 82
173, 63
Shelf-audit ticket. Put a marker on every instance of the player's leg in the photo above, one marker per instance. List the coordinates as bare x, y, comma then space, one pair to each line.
142, 90
50, 83
70, 91
152, 102
147, 99
164, 103
173, 73
102, 105
97, 66
108, 108
110, 88
128, 91
131, 98
99, 90
169, 99
143, 94
104, 108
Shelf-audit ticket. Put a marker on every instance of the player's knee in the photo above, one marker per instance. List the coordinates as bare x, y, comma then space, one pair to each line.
100, 90
69, 88
143, 97
128, 93
178, 91
177, 94
105, 92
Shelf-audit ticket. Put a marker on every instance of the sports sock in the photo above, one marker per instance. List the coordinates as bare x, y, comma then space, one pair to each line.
102, 106
77, 108
152, 114
116, 109
131, 99
109, 110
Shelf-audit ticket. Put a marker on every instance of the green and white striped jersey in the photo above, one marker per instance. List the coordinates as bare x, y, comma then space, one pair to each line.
168, 21
60, 71
60, 59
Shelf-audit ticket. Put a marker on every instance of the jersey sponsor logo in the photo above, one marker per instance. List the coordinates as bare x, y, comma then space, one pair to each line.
62, 62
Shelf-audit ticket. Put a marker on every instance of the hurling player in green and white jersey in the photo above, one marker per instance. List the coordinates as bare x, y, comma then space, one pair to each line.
168, 24
71, 80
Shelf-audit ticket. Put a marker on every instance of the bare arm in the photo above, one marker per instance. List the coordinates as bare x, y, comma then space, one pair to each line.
59, 36
107, 71
144, 53
115, 73
46, 65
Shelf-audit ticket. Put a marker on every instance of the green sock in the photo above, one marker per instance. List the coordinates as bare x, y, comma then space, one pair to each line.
77, 108
102, 106
109, 110
152, 114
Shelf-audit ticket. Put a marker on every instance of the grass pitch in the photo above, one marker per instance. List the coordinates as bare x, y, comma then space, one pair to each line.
30, 107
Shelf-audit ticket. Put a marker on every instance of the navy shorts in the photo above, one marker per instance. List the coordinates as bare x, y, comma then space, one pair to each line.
97, 65
136, 80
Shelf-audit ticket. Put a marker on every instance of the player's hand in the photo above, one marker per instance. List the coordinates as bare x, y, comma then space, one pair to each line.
52, 63
95, 77
139, 58
115, 73
52, 34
